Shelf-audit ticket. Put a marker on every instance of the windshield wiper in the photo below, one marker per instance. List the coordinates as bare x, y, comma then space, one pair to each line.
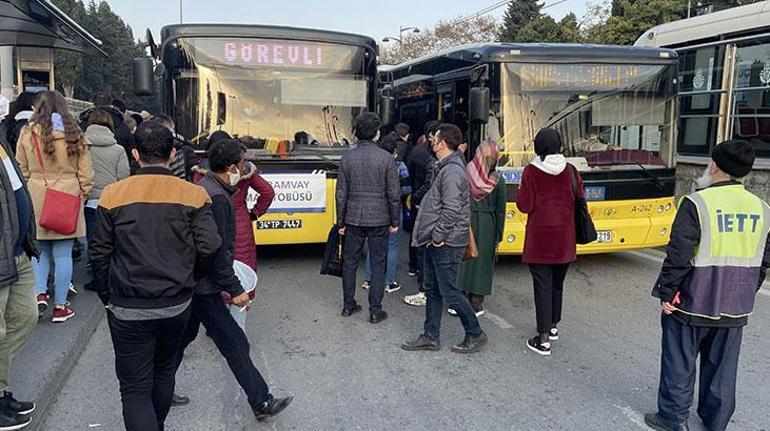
654, 178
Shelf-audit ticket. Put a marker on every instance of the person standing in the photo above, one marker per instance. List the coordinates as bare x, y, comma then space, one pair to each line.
20, 112
144, 272
368, 209
52, 152
546, 195
18, 313
487, 224
216, 275
716, 262
401, 130
443, 227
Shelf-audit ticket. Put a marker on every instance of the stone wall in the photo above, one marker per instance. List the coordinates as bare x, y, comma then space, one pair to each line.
758, 181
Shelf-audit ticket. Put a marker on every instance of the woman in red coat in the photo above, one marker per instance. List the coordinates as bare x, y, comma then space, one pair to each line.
546, 196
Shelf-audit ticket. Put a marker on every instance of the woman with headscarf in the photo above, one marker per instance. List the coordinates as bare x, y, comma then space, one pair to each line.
546, 196
487, 224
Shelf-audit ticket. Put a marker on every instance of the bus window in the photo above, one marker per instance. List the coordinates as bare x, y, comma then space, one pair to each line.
751, 96
700, 89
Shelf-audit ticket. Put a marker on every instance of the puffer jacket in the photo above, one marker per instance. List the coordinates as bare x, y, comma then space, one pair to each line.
445, 211
108, 159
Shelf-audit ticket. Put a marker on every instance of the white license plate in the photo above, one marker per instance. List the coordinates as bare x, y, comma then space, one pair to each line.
279, 224
604, 236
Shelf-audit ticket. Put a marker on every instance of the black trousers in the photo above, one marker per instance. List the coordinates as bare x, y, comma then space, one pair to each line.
718, 349
210, 311
355, 236
548, 281
145, 363
414, 256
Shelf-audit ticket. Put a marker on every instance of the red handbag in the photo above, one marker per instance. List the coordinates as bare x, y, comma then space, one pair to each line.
60, 209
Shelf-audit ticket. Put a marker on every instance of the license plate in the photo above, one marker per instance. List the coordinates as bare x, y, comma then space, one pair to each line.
596, 193
279, 224
604, 236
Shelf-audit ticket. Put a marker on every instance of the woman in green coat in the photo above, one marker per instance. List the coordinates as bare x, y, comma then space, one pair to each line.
487, 223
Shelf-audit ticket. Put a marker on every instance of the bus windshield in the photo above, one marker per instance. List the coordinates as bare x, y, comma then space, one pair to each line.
268, 92
607, 114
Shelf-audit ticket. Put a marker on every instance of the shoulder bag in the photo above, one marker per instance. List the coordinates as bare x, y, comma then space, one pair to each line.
60, 209
585, 231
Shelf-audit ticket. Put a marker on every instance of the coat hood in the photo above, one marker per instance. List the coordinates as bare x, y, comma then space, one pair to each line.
23, 115
554, 164
100, 136
249, 169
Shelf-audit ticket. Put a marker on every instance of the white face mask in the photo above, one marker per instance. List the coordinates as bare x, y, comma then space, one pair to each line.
705, 180
235, 177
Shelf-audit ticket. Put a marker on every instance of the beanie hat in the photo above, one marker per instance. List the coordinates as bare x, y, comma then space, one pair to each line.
547, 142
734, 157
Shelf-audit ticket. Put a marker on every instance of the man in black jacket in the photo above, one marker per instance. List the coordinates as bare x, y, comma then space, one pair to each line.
401, 130
368, 200
225, 166
144, 273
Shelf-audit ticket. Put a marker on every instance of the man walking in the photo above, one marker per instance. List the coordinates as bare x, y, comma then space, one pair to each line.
226, 160
368, 208
149, 232
18, 310
443, 227
715, 263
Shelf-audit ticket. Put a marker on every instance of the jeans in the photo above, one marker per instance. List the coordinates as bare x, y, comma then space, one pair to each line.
442, 274
211, 312
18, 316
548, 281
355, 237
89, 214
145, 363
61, 252
392, 262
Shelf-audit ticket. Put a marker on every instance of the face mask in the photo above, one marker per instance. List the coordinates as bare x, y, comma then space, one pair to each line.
705, 180
235, 177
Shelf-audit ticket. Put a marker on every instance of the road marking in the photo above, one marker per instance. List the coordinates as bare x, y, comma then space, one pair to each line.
655, 257
634, 416
497, 320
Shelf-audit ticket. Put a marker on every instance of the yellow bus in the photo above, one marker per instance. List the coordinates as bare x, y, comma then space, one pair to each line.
614, 106
289, 94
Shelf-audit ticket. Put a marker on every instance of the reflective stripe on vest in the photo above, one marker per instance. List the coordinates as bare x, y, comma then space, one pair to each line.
734, 227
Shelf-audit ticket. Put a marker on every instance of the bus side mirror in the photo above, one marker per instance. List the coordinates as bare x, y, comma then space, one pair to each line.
144, 81
221, 108
386, 110
479, 105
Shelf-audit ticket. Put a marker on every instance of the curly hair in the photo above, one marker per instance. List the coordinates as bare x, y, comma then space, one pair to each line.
47, 104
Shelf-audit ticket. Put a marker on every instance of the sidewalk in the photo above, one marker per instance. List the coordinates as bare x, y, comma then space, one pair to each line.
53, 349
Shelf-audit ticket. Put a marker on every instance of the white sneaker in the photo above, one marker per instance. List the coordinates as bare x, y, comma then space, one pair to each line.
451, 311
553, 334
72, 290
416, 300
480, 313
365, 285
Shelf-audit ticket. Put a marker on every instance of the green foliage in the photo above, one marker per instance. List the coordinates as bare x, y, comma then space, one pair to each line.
523, 22
520, 13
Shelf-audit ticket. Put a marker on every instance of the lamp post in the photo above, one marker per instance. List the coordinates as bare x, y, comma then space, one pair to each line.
400, 38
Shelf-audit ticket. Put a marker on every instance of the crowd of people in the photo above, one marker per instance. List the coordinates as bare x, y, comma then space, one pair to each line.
111, 177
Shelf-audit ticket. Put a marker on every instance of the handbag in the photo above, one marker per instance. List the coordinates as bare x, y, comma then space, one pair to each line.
585, 231
471, 250
60, 209
333, 256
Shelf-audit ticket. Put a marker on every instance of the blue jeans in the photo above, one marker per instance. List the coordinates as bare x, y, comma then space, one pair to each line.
442, 275
392, 263
61, 252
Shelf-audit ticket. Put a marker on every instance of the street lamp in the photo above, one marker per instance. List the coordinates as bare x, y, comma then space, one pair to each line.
400, 38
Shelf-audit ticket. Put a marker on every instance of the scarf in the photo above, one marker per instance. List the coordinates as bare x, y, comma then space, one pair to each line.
481, 174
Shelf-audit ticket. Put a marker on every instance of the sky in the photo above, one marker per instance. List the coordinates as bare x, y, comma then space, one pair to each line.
374, 18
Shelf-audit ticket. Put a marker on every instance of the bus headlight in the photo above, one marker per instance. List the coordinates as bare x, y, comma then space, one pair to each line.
669, 206
660, 209
511, 238
663, 231
510, 214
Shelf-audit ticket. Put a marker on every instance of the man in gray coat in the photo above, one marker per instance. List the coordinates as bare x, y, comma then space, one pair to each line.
368, 209
443, 227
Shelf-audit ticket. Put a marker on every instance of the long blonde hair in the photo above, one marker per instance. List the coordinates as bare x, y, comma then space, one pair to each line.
46, 104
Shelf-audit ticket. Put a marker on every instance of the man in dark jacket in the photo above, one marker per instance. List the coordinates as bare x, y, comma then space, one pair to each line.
226, 162
18, 311
401, 130
443, 227
715, 263
144, 273
368, 208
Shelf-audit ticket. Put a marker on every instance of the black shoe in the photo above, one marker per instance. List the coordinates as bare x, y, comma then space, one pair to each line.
347, 312
379, 317
10, 421
423, 342
539, 347
654, 421
272, 407
179, 400
471, 344
9, 404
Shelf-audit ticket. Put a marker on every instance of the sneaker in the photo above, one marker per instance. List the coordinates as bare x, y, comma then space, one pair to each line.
366, 285
553, 334
416, 300
539, 347
412, 273
393, 287
451, 311
10, 421
42, 303
72, 291
179, 400
480, 313
14, 406
654, 421
471, 344
272, 407
62, 314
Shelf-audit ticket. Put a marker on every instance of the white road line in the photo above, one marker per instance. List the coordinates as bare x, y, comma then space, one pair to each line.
633, 416
497, 320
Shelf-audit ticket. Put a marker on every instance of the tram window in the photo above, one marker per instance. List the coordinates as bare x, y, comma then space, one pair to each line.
700, 75
751, 110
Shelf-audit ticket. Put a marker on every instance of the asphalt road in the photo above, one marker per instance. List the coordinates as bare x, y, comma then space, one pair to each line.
347, 374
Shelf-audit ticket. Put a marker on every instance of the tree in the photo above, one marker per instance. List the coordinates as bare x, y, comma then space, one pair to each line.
546, 29
638, 17
444, 34
68, 64
519, 14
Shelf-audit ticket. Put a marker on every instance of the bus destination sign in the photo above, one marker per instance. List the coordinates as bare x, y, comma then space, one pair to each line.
588, 77
269, 53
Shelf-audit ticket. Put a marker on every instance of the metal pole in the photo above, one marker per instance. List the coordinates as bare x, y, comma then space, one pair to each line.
6, 72
180, 12
689, 7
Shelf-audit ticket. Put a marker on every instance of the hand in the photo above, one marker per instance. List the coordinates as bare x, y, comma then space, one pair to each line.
435, 244
242, 300
393, 229
670, 307
343, 230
